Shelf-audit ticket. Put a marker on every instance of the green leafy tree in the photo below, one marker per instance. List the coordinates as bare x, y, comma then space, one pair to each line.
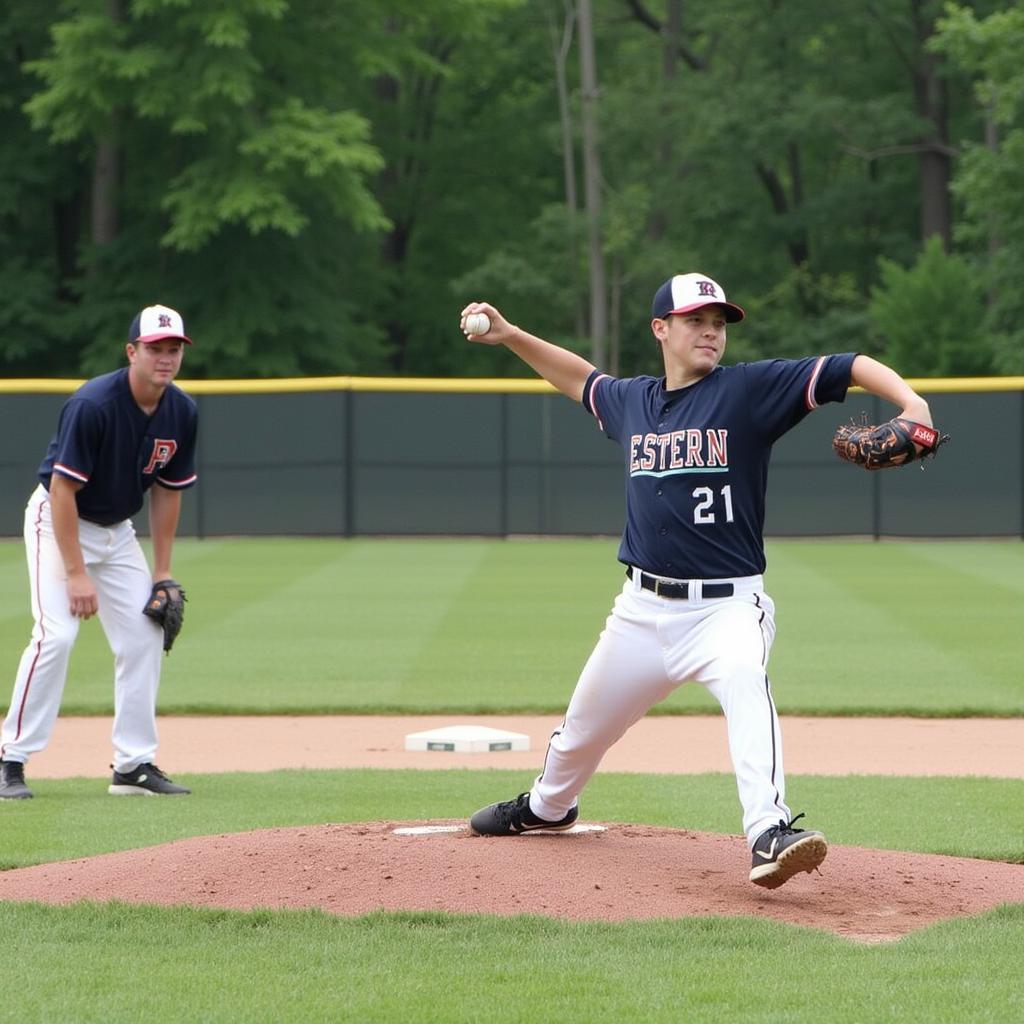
787, 148
467, 164
320, 186
220, 148
990, 176
779, 153
932, 315
38, 207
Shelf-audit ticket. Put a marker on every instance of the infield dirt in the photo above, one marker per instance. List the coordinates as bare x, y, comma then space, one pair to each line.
659, 743
624, 872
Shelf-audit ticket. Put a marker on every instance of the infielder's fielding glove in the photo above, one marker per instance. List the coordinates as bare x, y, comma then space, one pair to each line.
166, 607
890, 444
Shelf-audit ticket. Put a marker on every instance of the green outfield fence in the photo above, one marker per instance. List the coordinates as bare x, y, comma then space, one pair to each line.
364, 456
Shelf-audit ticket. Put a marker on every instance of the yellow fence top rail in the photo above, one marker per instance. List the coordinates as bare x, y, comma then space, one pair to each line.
447, 385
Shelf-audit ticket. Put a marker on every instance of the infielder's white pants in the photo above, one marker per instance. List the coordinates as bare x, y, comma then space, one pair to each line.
117, 566
649, 646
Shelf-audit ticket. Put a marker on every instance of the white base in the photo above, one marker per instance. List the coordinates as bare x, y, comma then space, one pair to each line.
427, 830
575, 830
467, 739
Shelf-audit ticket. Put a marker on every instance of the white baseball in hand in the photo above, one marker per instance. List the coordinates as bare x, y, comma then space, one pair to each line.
477, 323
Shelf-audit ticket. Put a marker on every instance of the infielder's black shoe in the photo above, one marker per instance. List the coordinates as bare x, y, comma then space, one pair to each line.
782, 851
12, 781
514, 816
146, 780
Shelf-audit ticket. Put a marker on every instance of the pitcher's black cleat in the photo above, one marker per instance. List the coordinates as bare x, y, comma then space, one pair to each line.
512, 817
782, 851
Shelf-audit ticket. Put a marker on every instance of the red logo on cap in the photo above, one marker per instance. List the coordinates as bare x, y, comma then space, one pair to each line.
165, 320
706, 288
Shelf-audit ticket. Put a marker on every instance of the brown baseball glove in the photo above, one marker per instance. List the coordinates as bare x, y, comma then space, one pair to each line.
166, 607
887, 445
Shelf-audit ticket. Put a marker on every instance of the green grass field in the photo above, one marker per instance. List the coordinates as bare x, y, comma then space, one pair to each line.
459, 626
107, 963
464, 626
219, 966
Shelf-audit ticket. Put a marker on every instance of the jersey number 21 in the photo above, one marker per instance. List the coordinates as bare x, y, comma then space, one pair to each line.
704, 512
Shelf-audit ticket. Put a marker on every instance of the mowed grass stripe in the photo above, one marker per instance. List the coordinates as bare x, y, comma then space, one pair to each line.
355, 614
884, 623
483, 626
988, 565
524, 623
294, 967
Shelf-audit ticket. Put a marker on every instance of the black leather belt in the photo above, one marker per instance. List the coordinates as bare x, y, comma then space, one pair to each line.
681, 590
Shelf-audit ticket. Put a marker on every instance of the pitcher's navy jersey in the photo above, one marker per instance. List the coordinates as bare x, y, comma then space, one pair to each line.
106, 442
697, 458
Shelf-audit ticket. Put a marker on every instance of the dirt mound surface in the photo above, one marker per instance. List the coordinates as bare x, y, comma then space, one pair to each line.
615, 873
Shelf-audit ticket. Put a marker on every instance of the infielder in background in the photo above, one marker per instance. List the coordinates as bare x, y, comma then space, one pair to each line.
117, 436
693, 607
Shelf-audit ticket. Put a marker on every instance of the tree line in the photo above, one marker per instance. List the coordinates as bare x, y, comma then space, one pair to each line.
319, 186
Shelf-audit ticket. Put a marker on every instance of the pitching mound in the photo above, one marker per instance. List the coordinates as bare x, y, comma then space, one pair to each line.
622, 872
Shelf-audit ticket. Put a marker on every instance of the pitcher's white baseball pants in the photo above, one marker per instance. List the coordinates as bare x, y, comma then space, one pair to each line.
117, 566
651, 645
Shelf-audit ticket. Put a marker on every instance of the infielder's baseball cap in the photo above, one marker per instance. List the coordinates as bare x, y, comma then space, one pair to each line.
155, 323
685, 292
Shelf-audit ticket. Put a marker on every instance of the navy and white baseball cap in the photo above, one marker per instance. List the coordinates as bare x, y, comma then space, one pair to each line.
686, 292
155, 323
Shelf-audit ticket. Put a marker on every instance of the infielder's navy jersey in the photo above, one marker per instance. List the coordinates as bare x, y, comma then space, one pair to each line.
697, 458
106, 442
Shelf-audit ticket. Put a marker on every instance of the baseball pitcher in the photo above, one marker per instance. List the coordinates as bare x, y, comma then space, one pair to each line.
696, 445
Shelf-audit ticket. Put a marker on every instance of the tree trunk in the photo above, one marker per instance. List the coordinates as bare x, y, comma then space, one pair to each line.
67, 232
796, 244
931, 100
995, 239
106, 175
560, 46
615, 317
394, 248
414, 103
592, 186
672, 30
106, 178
